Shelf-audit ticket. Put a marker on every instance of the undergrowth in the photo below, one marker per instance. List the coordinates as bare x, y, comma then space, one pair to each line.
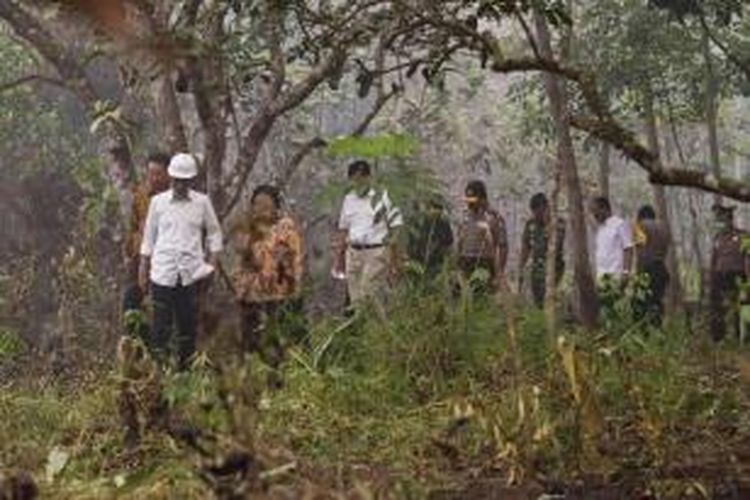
433, 396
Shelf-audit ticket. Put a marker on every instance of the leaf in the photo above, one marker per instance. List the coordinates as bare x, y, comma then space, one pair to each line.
380, 146
56, 462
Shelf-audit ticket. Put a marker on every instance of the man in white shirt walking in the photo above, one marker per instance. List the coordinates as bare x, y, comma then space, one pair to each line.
173, 258
366, 226
614, 243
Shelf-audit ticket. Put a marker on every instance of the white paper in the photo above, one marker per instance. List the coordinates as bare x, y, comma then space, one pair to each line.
203, 271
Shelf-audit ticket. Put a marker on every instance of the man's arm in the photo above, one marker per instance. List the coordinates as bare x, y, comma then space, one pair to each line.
150, 234
338, 250
628, 245
501, 252
338, 242
628, 260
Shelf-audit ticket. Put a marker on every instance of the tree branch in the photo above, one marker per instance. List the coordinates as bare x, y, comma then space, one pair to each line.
32, 31
603, 125
317, 142
4, 87
626, 142
724, 48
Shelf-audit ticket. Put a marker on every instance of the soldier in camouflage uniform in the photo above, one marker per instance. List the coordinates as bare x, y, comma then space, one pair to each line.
728, 269
534, 244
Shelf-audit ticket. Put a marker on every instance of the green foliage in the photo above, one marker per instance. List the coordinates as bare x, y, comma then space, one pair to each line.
33, 134
100, 204
11, 345
374, 147
396, 170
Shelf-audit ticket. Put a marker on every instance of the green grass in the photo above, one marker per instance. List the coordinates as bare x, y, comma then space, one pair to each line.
433, 397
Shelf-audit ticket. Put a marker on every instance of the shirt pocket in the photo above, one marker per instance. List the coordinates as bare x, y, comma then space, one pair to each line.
167, 221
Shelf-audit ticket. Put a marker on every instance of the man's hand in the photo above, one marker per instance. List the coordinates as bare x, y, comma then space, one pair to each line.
143, 270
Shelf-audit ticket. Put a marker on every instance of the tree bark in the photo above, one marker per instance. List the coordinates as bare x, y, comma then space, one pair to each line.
712, 91
550, 277
587, 303
605, 155
674, 290
113, 144
168, 114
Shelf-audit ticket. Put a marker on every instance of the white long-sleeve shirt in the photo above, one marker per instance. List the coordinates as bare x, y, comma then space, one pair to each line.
613, 237
173, 236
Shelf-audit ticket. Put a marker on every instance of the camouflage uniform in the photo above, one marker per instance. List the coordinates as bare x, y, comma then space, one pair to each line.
535, 239
480, 236
727, 271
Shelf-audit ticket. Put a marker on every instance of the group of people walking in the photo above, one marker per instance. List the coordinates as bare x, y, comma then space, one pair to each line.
176, 243
176, 238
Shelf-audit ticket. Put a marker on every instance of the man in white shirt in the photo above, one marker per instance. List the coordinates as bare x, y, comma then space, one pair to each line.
173, 257
614, 243
366, 226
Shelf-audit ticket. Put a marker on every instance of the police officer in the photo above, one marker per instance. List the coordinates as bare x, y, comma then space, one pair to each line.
728, 269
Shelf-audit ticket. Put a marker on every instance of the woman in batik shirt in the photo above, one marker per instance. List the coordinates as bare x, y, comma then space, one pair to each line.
268, 279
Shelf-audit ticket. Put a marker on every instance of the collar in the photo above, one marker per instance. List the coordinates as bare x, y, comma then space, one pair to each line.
369, 193
612, 218
174, 199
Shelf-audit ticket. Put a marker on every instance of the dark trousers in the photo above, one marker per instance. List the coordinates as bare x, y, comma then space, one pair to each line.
539, 283
470, 265
650, 306
724, 302
174, 304
263, 324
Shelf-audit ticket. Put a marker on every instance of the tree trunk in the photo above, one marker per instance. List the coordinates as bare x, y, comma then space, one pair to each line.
605, 151
673, 298
587, 303
712, 91
550, 277
168, 115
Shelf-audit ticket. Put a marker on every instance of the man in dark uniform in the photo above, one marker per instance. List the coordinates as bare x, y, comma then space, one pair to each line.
534, 243
728, 269
652, 247
431, 237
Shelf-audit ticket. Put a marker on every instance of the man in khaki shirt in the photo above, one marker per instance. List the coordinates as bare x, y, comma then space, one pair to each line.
365, 242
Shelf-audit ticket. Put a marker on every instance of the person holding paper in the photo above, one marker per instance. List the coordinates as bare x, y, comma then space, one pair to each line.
173, 258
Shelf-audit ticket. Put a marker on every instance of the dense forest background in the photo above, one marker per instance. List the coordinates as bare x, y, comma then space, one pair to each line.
642, 101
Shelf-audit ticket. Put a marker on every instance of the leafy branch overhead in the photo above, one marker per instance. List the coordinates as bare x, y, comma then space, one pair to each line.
241, 66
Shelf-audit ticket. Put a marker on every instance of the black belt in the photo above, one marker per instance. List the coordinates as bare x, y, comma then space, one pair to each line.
360, 246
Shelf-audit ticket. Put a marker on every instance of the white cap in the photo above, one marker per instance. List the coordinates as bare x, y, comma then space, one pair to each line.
182, 166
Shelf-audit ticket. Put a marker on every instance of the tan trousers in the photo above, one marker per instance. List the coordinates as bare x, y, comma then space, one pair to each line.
366, 272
